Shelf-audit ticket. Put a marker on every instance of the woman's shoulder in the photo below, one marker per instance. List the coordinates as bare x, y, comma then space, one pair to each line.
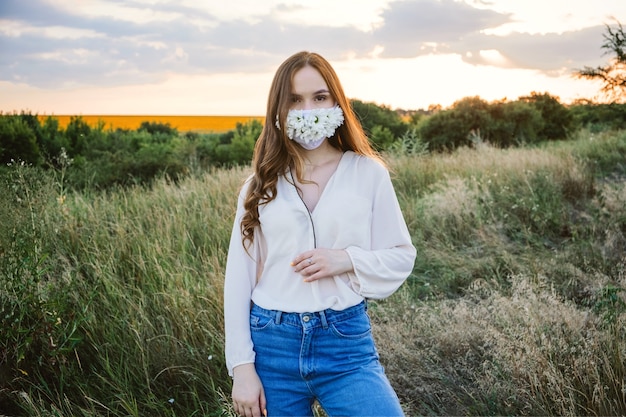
243, 189
365, 162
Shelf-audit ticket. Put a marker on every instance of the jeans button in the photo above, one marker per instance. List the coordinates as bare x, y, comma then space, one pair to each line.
306, 319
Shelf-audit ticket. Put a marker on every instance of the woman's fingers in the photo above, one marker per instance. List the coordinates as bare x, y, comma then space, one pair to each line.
321, 263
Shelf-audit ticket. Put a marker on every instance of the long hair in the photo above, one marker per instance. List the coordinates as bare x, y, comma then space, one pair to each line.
275, 153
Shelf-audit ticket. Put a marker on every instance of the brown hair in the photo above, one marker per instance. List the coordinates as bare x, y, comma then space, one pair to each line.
274, 152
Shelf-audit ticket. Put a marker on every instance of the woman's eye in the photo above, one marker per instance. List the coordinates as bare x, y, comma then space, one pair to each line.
321, 98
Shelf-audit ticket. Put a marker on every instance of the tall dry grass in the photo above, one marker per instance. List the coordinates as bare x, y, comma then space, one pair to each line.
477, 211
523, 350
145, 268
517, 302
112, 302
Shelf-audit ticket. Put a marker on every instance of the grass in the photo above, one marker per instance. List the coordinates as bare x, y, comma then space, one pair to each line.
112, 302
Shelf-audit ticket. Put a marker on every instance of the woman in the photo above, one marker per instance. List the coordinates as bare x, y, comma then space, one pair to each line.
318, 230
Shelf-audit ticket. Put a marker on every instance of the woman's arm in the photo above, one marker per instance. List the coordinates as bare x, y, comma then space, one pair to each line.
380, 270
240, 279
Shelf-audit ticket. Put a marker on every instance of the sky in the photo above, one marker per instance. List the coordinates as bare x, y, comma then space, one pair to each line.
218, 57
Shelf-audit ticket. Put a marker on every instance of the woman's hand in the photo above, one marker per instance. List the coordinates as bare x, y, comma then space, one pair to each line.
322, 263
248, 395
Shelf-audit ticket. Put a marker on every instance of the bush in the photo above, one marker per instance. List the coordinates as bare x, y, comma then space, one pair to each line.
599, 117
52, 140
514, 123
558, 121
502, 124
380, 123
18, 141
158, 128
77, 133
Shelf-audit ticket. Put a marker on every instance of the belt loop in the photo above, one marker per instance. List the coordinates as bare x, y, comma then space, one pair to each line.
278, 317
323, 318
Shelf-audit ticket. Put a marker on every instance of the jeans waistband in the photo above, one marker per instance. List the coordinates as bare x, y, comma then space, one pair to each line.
325, 316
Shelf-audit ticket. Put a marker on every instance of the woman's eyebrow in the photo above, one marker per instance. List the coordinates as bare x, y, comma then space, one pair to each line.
322, 91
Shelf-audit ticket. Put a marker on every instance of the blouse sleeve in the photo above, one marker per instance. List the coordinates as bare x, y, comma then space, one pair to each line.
381, 269
240, 279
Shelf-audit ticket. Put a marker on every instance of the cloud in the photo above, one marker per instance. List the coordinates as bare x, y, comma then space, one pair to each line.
114, 42
550, 53
412, 28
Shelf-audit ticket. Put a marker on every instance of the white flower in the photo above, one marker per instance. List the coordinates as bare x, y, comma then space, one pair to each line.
310, 125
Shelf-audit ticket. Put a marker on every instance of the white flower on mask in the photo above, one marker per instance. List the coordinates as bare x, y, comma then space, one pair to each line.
311, 125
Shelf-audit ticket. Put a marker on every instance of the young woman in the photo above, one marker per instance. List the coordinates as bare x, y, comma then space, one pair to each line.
318, 231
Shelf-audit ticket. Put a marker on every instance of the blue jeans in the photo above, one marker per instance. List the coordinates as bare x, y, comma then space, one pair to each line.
329, 356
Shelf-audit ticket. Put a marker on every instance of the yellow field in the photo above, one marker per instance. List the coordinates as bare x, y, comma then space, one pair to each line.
200, 124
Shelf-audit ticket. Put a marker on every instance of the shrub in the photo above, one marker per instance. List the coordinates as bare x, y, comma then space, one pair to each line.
514, 123
77, 133
558, 121
17, 141
380, 123
598, 117
158, 128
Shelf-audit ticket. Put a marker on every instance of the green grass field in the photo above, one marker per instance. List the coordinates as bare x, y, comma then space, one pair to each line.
111, 301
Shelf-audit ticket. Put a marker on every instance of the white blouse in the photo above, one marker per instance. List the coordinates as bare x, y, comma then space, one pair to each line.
358, 211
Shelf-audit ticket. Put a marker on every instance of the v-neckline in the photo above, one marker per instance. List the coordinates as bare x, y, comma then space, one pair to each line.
323, 192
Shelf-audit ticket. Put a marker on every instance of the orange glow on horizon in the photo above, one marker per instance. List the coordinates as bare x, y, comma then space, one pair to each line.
201, 124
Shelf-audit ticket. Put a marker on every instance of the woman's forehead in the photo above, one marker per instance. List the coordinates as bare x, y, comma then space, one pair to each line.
308, 80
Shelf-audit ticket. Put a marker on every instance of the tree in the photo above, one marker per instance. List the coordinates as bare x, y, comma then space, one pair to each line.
17, 141
158, 128
449, 129
76, 132
391, 125
242, 146
236, 148
514, 123
613, 74
558, 121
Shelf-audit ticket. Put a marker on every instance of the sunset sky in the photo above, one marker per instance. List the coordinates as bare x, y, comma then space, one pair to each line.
217, 57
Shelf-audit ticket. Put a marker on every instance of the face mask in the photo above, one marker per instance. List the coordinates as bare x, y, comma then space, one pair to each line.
309, 128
